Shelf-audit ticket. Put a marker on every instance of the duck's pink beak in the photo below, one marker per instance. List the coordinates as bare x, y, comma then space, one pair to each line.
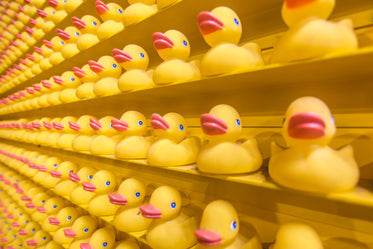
32, 21
294, 4
36, 125
150, 212
101, 8
29, 30
161, 41
22, 232
158, 122
46, 84
18, 67
38, 50
117, 199
119, 125
306, 125
63, 35
212, 125
36, 87
80, 73
26, 198
95, 124
78, 23
31, 242
30, 57
47, 125
85, 246
30, 205
58, 80
43, 168
58, 126
74, 126
15, 224
4, 240
54, 221
121, 56
42, 13
207, 238
41, 209
208, 23
69, 233
53, 3
95, 66
74, 177
87, 186
48, 44
55, 173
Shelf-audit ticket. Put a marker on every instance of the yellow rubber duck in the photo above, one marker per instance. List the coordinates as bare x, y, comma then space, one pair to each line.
103, 182
171, 228
129, 243
172, 147
56, 16
67, 135
60, 173
44, 130
85, 133
111, 15
50, 164
70, 6
129, 197
297, 235
88, 26
45, 52
40, 238
134, 143
65, 187
308, 164
89, 78
222, 154
103, 238
35, 3
51, 207
135, 61
220, 227
70, 36
53, 245
221, 29
46, 26
137, 11
70, 83
81, 230
174, 48
310, 34
109, 71
29, 229
107, 137
56, 44
64, 218
52, 137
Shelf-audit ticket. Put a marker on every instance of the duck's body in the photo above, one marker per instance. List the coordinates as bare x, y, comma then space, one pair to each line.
88, 26
138, 11
67, 135
80, 231
70, 35
85, 134
56, 44
111, 14
88, 77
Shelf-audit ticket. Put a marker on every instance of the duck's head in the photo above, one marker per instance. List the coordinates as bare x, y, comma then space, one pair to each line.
54, 205
57, 4
69, 35
49, 124
30, 229
295, 11
103, 126
171, 126
131, 191
106, 66
165, 203
52, 163
38, 202
171, 45
82, 228
219, 224
103, 181
85, 74
36, 3
132, 57
221, 25
65, 217
85, 174
64, 170
45, 51
82, 125
111, 11
103, 238
70, 80
222, 123
131, 122
57, 42
308, 121
9, 236
54, 15
40, 238
22, 220
87, 24
63, 124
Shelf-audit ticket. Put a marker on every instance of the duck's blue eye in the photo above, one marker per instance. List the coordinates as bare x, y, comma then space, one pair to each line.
142, 55
140, 122
33, 230
77, 34
53, 12
114, 65
173, 204
283, 120
137, 194
55, 206
234, 225
181, 127
26, 221
68, 218
9, 229
111, 125
62, 43
71, 171
44, 238
238, 122
85, 230
20, 214
43, 201
64, 1
35, 157
55, 165
94, 23
14, 236
20, 245
120, 11
22, 154
333, 120
185, 43
236, 21
107, 183
44, 21
90, 177
72, 79
104, 244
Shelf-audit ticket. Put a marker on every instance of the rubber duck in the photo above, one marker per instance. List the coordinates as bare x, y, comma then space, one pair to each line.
51, 207
135, 61
70, 36
111, 15
81, 231
172, 146
56, 44
60, 173
88, 27
67, 135
129, 197
107, 137
222, 154
42, 177
29, 230
297, 235
40, 238
46, 126
53, 245
308, 164
85, 133
103, 182
101, 238
46, 26
308, 19
70, 6
65, 187
221, 29
56, 16
174, 48
109, 71
171, 228
52, 137
45, 52
134, 143
70, 83
64, 219
89, 78
137, 11
220, 227
129, 243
